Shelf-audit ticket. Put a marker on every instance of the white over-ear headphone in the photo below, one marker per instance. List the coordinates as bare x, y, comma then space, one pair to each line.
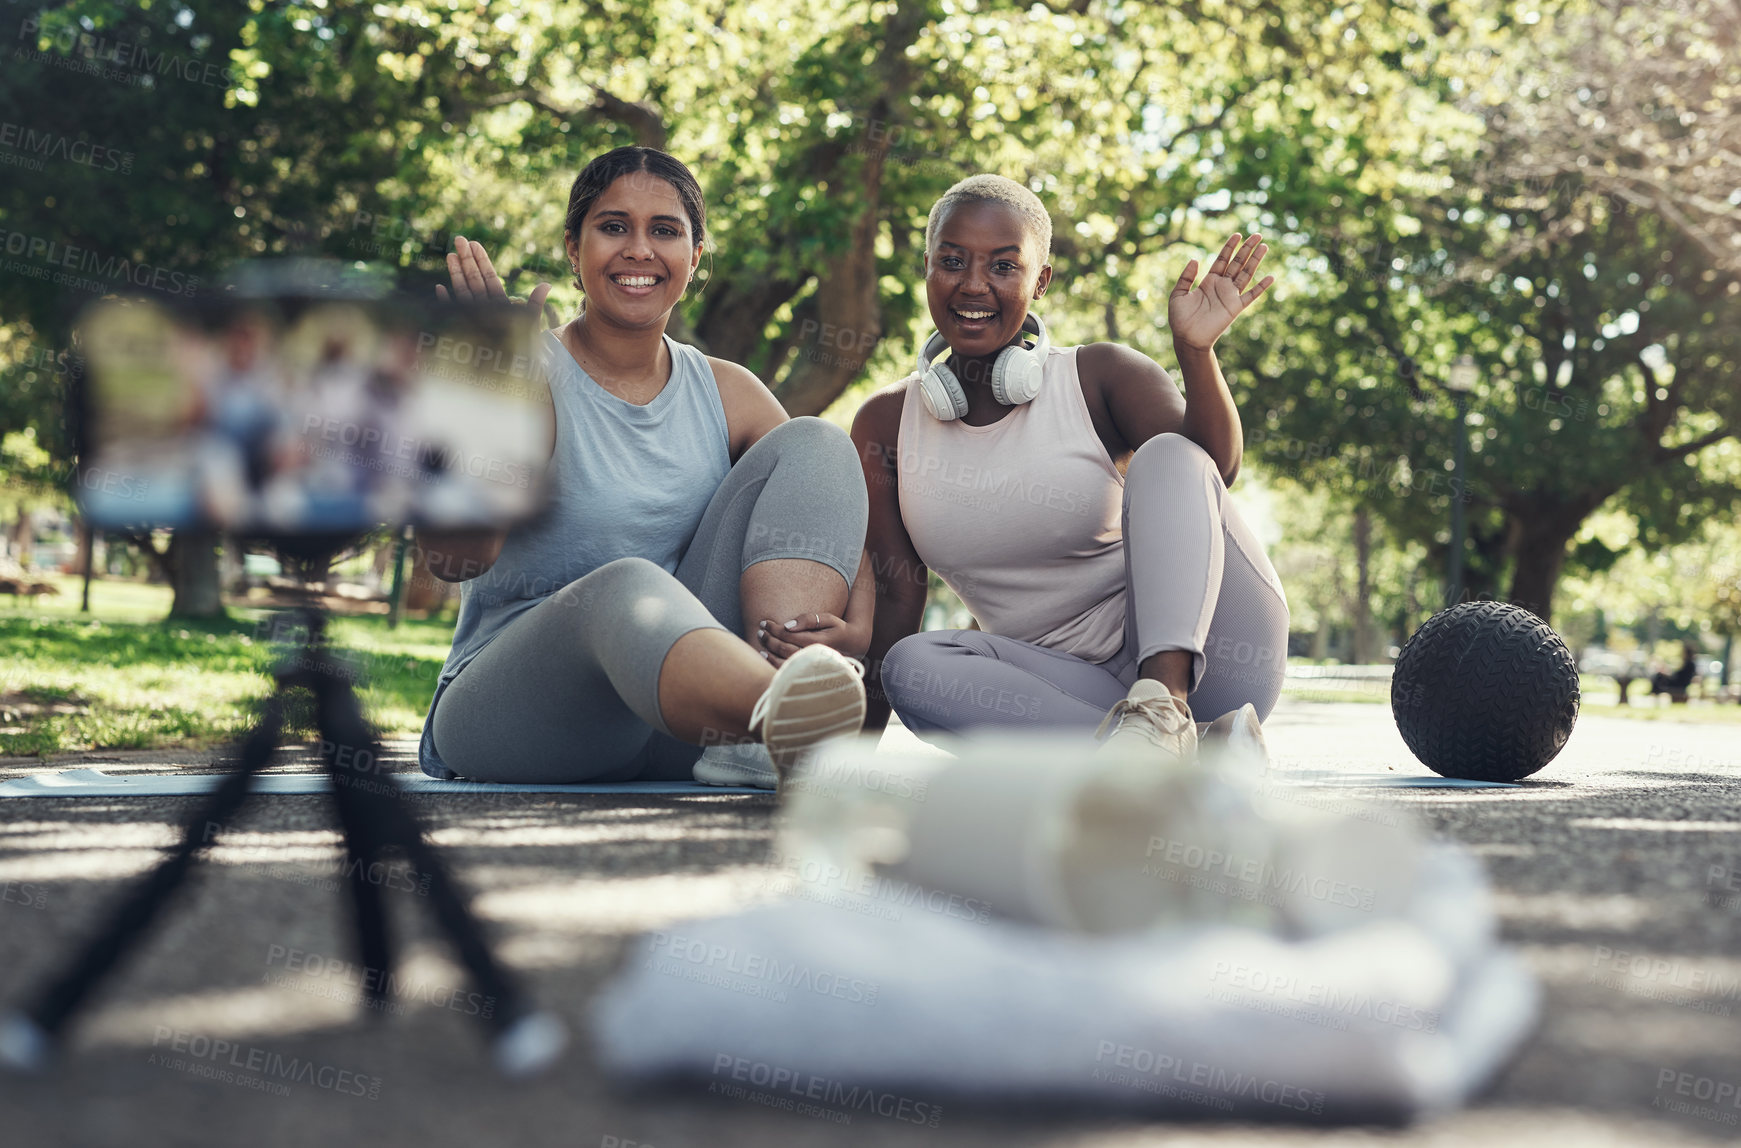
1015, 373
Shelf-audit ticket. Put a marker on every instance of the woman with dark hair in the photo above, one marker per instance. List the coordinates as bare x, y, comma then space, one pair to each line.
1074, 500
617, 634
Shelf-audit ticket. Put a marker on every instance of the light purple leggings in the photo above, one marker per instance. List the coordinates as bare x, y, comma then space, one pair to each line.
1198, 581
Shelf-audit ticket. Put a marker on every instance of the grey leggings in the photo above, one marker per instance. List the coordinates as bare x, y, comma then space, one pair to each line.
569, 690
1196, 580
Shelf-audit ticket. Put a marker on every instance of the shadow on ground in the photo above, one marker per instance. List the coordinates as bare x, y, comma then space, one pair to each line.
1620, 884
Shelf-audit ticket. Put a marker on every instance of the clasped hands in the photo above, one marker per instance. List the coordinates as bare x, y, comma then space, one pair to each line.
780, 640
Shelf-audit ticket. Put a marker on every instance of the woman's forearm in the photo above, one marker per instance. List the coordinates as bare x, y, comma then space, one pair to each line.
1211, 419
460, 555
896, 618
861, 607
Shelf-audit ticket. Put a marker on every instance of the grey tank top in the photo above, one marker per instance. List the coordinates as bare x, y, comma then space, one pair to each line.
625, 481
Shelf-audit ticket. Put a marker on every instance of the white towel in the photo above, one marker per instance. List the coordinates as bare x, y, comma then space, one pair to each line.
1295, 965
1397, 1017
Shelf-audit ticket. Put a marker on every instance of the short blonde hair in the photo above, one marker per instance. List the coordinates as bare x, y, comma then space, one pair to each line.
986, 188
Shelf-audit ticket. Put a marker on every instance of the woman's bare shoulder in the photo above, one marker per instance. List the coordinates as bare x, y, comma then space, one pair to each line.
751, 410
735, 377
879, 417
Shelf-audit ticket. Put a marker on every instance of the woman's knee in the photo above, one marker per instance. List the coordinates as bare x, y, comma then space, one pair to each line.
810, 429
909, 675
910, 665
615, 584
815, 496
821, 450
808, 435
1168, 458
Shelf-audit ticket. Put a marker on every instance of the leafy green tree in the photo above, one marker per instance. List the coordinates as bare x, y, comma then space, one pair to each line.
376, 132
819, 172
1607, 342
1692, 589
1642, 110
171, 138
1344, 571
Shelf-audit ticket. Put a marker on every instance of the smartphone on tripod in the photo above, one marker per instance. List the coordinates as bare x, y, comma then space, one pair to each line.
305, 405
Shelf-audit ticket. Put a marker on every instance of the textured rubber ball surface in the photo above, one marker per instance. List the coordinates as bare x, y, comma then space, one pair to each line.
1485, 691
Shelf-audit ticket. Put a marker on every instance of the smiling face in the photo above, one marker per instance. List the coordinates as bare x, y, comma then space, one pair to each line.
982, 271
636, 250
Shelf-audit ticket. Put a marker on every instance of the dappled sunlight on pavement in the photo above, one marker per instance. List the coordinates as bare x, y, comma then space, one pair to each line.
1614, 871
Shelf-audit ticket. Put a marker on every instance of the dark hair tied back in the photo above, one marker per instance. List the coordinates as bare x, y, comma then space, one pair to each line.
596, 177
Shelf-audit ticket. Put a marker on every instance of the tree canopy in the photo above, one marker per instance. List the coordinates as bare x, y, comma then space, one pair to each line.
1423, 171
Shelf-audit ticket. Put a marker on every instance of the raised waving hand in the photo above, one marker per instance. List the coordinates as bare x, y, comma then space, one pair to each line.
1200, 317
474, 276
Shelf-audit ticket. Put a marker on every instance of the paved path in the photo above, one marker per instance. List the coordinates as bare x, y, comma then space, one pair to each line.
1629, 844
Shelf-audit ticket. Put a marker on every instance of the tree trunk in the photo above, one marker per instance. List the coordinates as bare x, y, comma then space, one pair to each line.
424, 592
1363, 639
22, 538
87, 559
735, 315
1541, 554
1540, 527
836, 326
193, 561
834, 346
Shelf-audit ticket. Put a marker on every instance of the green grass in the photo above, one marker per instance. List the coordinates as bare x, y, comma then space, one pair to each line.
1319, 694
1599, 696
143, 683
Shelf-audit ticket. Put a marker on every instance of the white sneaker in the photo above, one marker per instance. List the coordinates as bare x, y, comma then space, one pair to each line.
1241, 733
1148, 719
746, 763
816, 695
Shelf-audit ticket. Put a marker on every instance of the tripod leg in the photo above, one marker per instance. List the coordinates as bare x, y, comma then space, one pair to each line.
29, 1035
352, 755
363, 860
525, 1041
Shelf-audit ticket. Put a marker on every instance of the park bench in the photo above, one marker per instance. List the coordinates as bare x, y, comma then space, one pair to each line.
24, 587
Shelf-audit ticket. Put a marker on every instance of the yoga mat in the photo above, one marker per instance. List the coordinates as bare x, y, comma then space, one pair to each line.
96, 783
1379, 780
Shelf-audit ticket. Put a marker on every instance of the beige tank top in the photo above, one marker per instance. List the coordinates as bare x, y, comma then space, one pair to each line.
1022, 518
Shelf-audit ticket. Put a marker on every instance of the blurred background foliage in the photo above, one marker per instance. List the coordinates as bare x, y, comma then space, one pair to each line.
1549, 186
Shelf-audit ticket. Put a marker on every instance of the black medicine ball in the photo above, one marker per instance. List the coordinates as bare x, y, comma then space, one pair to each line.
1486, 691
